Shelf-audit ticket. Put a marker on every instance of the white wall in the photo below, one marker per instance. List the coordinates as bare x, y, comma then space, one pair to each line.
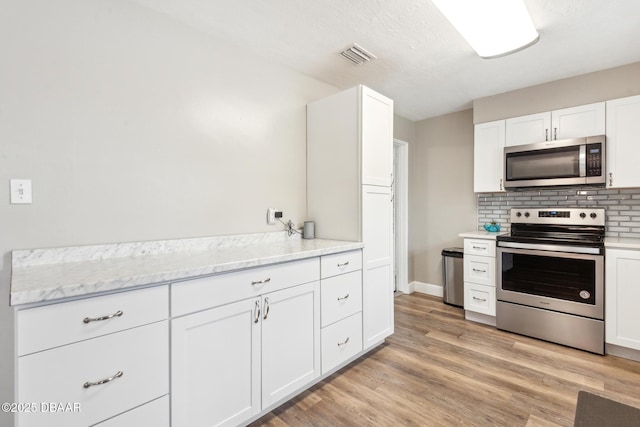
133, 127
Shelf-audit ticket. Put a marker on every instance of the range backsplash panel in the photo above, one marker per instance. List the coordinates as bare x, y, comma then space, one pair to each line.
622, 206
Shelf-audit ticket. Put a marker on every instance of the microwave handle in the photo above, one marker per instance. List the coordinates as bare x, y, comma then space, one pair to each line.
583, 160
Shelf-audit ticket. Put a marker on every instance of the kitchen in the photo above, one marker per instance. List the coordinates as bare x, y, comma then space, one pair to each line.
105, 171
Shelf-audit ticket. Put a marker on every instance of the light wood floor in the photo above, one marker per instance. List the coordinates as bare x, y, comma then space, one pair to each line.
438, 369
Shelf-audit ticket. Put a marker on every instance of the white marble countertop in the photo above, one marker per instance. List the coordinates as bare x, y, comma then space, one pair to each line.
482, 234
48, 274
621, 243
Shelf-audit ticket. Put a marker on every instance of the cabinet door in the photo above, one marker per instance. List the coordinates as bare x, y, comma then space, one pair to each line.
377, 286
528, 129
488, 153
576, 122
377, 138
623, 150
622, 296
290, 341
215, 365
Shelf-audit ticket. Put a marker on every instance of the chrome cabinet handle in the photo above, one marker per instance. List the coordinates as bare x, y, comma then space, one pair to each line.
555, 133
266, 308
104, 381
98, 319
610, 179
259, 282
479, 247
343, 264
340, 344
343, 298
546, 134
256, 312
480, 299
500, 184
479, 271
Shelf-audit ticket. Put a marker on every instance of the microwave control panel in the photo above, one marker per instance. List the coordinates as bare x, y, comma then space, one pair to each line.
594, 159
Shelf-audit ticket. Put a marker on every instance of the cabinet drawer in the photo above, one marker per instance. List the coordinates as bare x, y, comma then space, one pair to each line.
340, 297
61, 375
208, 292
341, 341
49, 326
480, 247
480, 298
480, 269
154, 414
334, 264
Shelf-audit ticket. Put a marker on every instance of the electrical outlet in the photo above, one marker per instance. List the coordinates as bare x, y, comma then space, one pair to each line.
272, 215
20, 191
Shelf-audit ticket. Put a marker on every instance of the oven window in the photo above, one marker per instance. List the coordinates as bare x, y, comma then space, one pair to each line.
563, 162
562, 278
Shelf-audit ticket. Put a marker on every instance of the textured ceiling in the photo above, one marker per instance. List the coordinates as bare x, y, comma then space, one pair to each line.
423, 63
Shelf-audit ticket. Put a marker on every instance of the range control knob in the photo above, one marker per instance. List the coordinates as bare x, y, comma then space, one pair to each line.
526, 214
593, 215
583, 215
519, 214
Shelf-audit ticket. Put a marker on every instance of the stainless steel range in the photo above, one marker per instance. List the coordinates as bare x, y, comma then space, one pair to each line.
551, 276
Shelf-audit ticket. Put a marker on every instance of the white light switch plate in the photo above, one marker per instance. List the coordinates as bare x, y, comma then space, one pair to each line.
21, 191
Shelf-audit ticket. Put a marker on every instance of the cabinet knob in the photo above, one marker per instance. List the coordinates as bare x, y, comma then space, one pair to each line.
343, 298
98, 319
256, 312
104, 381
340, 344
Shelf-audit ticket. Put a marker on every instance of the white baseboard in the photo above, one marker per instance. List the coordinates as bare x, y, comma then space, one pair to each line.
426, 288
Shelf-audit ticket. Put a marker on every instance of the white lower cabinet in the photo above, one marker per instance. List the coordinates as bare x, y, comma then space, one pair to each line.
341, 341
231, 362
215, 365
102, 357
622, 296
480, 298
155, 413
480, 280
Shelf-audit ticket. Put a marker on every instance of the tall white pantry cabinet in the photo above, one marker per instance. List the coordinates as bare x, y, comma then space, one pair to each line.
349, 191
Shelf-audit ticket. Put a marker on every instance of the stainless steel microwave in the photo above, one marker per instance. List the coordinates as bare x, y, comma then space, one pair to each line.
579, 161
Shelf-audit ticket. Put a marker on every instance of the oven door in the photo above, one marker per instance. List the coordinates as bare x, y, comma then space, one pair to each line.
560, 281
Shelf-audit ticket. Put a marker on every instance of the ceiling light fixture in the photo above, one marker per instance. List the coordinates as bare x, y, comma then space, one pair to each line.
357, 54
493, 28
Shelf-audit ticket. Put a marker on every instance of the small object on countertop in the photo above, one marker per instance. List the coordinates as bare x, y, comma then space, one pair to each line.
492, 227
309, 230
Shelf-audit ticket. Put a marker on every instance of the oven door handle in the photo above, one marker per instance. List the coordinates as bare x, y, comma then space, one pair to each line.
553, 248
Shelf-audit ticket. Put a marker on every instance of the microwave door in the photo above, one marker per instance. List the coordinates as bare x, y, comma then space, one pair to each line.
553, 166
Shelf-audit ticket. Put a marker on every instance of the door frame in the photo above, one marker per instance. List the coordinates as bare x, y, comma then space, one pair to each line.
401, 214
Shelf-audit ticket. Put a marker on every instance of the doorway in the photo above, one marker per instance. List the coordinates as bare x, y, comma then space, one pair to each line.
401, 215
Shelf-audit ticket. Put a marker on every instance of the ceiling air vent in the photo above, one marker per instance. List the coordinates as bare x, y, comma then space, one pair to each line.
357, 55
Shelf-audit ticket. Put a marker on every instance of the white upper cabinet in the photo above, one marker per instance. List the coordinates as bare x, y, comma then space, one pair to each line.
528, 129
573, 122
377, 138
487, 157
623, 149
576, 122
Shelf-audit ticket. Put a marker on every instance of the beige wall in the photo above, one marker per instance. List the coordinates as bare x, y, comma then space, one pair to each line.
613, 83
442, 200
404, 129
